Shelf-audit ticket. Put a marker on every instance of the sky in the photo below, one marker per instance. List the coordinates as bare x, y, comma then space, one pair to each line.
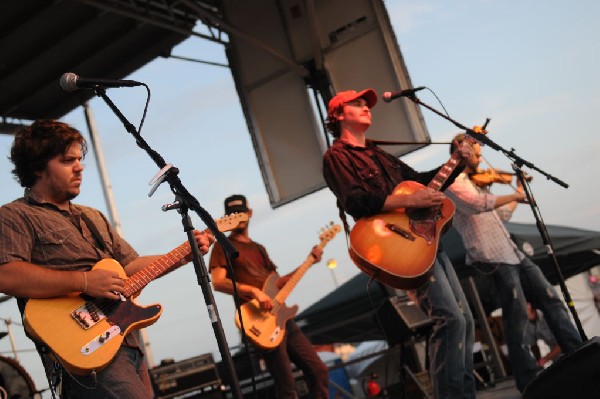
529, 66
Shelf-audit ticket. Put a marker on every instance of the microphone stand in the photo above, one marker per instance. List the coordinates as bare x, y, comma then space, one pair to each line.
186, 201
518, 163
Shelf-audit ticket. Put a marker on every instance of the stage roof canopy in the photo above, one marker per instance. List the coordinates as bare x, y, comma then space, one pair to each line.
41, 40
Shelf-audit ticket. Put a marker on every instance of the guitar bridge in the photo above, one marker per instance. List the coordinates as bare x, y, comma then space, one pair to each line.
87, 315
400, 231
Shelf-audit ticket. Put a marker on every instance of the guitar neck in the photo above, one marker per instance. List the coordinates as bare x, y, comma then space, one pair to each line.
294, 279
155, 269
302, 269
445, 171
175, 257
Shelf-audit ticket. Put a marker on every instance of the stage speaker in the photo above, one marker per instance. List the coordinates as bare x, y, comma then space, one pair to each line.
400, 318
288, 57
198, 374
574, 375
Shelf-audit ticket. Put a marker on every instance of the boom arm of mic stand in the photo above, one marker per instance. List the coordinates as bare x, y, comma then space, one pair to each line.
189, 202
486, 140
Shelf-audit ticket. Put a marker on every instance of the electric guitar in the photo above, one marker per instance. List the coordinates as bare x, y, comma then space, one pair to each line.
266, 328
399, 247
85, 333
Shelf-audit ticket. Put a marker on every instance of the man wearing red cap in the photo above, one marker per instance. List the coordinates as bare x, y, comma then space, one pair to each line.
363, 178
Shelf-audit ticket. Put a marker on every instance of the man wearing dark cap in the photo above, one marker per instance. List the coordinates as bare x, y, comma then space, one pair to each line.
363, 178
251, 269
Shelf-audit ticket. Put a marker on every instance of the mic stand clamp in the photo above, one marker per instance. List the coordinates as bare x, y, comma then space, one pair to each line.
518, 163
185, 202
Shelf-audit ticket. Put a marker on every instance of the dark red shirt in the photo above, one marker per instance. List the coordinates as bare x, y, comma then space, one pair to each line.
251, 267
362, 177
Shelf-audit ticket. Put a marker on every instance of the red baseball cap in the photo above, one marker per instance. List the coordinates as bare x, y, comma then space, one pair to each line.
344, 97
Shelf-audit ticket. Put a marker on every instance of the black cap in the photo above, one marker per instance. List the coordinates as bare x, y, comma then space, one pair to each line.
236, 203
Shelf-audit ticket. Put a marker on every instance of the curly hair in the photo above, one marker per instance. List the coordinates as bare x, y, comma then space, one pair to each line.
456, 141
34, 146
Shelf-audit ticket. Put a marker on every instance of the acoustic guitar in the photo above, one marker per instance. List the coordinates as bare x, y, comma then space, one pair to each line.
85, 333
266, 328
398, 247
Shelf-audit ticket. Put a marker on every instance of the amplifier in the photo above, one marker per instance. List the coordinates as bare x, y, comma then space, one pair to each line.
401, 318
194, 374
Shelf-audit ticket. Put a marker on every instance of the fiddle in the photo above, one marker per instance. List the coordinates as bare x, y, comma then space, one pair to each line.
486, 177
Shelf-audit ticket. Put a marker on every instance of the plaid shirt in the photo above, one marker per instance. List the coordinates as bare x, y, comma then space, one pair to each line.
481, 227
34, 231
38, 232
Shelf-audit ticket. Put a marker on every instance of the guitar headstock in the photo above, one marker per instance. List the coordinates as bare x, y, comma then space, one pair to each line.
231, 221
328, 232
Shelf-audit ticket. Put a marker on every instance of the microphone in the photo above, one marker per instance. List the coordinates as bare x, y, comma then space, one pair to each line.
389, 96
71, 82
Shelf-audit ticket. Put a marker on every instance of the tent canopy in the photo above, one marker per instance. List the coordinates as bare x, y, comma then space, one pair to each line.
347, 314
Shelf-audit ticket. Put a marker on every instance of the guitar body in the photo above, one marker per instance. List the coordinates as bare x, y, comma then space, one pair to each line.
399, 247
52, 322
264, 328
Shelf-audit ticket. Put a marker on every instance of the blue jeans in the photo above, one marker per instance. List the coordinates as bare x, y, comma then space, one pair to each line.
452, 338
125, 377
513, 283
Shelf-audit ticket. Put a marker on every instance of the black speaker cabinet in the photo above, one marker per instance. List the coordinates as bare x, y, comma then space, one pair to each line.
400, 319
574, 375
186, 376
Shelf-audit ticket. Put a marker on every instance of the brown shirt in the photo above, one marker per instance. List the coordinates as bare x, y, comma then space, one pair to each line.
42, 234
251, 267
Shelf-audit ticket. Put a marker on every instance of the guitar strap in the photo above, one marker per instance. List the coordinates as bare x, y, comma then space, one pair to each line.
342, 215
96, 234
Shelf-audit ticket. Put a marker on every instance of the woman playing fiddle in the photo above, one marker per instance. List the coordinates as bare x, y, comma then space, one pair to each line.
479, 218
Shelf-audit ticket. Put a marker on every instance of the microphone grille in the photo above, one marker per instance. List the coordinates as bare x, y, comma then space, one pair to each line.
68, 81
387, 96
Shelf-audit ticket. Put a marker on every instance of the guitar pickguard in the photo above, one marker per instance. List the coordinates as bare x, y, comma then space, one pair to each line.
423, 222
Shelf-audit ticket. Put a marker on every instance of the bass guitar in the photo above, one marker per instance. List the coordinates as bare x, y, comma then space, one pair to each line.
85, 333
266, 328
398, 247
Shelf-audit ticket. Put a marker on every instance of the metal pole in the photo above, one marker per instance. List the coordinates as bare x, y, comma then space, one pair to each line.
113, 215
11, 337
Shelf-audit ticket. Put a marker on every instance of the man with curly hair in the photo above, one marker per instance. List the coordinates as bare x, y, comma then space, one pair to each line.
48, 246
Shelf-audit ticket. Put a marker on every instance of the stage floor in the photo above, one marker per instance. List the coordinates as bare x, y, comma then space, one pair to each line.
503, 390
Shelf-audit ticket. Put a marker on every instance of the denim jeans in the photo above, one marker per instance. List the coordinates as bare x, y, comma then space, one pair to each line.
514, 283
452, 338
296, 348
125, 377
